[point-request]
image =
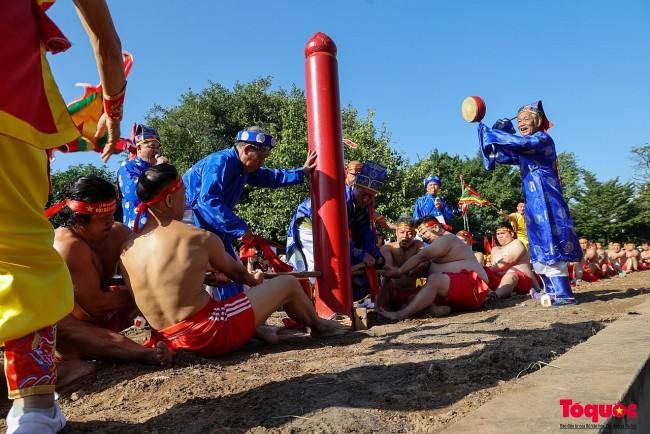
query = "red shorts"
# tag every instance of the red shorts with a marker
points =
(213, 331)
(401, 298)
(643, 266)
(524, 284)
(466, 291)
(29, 363)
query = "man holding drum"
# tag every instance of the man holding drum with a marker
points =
(553, 242)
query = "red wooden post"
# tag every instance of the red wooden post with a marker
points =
(330, 222)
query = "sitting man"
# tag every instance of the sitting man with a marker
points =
(616, 257)
(603, 261)
(518, 221)
(632, 257)
(363, 247)
(431, 203)
(170, 294)
(395, 293)
(645, 256)
(467, 238)
(89, 242)
(351, 171)
(147, 145)
(510, 269)
(455, 276)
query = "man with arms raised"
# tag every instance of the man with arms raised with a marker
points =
(510, 268)
(395, 293)
(455, 276)
(164, 266)
(89, 242)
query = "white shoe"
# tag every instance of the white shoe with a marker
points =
(35, 422)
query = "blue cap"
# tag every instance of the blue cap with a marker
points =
(432, 178)
(145, 134)
(256, 138)
(371, 176)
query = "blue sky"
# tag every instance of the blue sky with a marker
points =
(412, 61)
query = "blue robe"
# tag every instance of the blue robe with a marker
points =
(550, 228)
(127, 179)
(213, 188)
(363, 239)
(425, 205)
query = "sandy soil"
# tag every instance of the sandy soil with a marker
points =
(419, 375)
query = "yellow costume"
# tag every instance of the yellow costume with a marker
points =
(519, 225)
(35, 285)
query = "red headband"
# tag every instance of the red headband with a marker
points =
(107, 207)
(142, 206)
(432, 223)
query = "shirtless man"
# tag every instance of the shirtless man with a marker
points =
(510, 269)
(395, 293)
(632, 257)
(455, 276)
(170, 293)
(468, 239)
(89, 242)
(616, 255)
(603, 261)
(645, 256)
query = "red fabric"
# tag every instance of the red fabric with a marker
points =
(248, 250)
(213, 331)
(29, 363)
(643, 266)
(373, 281)
(587, 276)
(401, 298)
(486, 246)
(524, 284)
(466, 291)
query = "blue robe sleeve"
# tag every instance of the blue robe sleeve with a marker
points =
(492, 152)
(274, 178)
(418, 211)
(213, 208)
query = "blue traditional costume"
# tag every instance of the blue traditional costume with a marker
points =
(300, 248)
(215, 184)
(553, 242)
(426, 205)
(128, 174)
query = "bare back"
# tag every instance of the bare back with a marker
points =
(448, 254)
(165, 268)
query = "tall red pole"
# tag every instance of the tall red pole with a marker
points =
(329, 216)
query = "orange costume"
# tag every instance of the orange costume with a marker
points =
(219, 327)
(466, 290)
(35, 285)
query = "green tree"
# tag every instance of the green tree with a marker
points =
(63, 180)
(606, 210)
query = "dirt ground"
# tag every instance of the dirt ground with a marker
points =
(420, 375)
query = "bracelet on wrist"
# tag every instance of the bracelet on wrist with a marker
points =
(114, 105)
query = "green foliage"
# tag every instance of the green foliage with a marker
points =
(63, 180)
(207, 121)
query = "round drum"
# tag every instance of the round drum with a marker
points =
(473, 109)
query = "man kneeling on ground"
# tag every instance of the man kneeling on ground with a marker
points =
(455, 276)
(510, 269)
(164, 265)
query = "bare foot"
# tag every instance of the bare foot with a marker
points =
(268, 334)
(69, 371)
(438, 311)
(161, 355)
(328, 327)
